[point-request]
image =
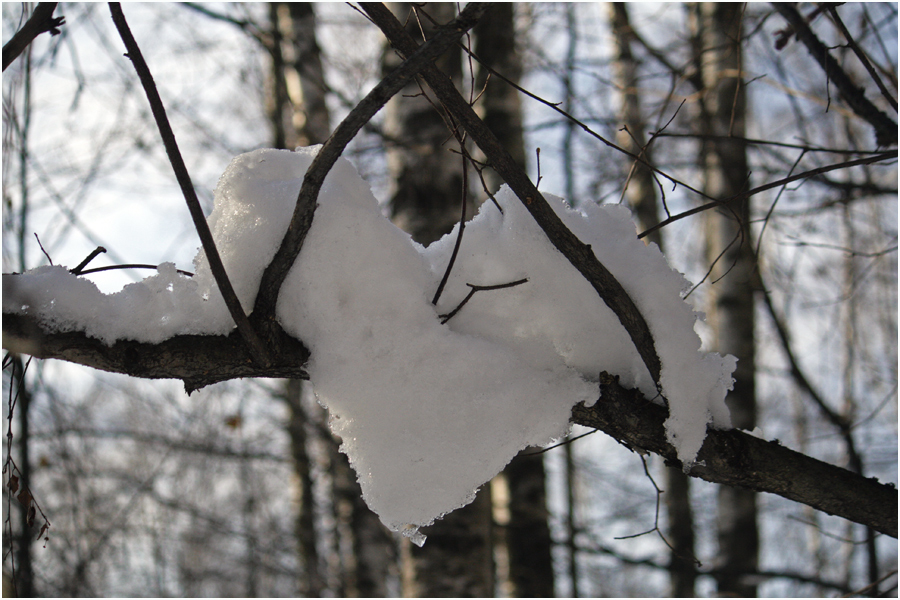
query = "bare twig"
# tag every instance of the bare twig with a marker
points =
(42, 248)
(41, 20)
(257, 349)
(462, 219)
(478, 288)
(770, 185)
(131, 266)
(94, 253)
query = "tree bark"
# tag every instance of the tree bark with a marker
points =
(733, 277)
(642, 197)
(527, 534)
(457, 559)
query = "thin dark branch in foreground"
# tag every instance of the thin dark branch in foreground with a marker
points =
(805, 175)
(580, 255)
(94, 253)
(257, 349)
(41, 20)
(275, 273)
(462, 220)
(131, 266)
(478, 288)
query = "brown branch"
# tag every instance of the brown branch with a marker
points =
(885, 127)
(727, 457)
(739, 459)
(580, 255)
(275, 273)
(197, 360)
(257, 350)
(41, 20)
(478, 288)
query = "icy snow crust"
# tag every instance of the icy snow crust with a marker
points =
(427, 412)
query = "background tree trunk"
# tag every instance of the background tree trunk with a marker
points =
(642, 197)
(733, 277)
(457, 559)
(527, 534)
(300, 117)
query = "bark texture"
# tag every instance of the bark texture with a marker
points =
(641, 195)
(733, 277)
(527, 534)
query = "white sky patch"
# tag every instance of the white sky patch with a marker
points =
(427, 412)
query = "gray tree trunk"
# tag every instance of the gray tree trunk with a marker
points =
(642, 197)
(300, 117)
(732, 291)
(457, 558)
(527, 534)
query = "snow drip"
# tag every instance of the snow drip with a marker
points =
(427, 412)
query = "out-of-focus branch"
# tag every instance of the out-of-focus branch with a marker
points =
(257, 349)
(773, 184)
(862, 56)
(41, 20)
(885, 127)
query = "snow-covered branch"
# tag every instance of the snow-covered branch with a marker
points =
(729, 457)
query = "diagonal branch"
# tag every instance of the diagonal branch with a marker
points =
(580, 255)
(855, 97)
(276, 272)
(257, 350)
(41, 20)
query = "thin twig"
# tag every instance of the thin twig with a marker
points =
(131, 266)
(768, 186)
(94, 253)
(42, 247)
(478, 288)
(462, 220)
(257, 349)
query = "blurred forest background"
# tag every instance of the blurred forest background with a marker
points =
(239, 489)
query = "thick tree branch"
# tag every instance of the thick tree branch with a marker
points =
(855, 97)
(197, 360)
(579, 254)
(41, 20)
(738, 459)
(728, 457)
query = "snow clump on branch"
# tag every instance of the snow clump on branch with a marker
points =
(427, 412)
